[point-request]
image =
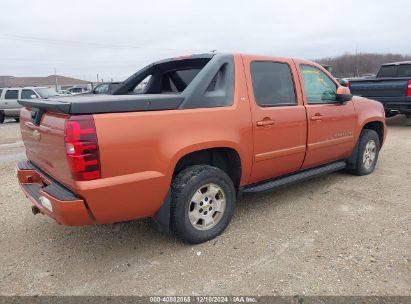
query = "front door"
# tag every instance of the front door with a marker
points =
(278, 117)
(330, 124)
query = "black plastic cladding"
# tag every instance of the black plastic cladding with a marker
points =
(195, 95)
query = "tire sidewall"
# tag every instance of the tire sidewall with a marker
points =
(183, 224)
(366, 136)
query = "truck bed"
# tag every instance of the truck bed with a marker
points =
(380, 87)
(392, 92)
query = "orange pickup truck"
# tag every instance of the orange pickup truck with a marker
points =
(180, 140)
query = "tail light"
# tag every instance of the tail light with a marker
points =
(347, 84)
(409, 88)
(82, 148)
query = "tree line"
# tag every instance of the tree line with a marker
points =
(362, 64)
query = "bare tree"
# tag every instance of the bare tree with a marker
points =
(353, 65)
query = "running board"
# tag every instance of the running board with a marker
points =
(295, 178)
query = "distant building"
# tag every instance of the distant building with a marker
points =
(53, 81)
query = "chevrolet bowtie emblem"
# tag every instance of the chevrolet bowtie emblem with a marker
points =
(36, 135)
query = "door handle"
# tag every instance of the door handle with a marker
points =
(317, 117)
(267, 121)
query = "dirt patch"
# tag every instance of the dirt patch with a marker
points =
(334, 235)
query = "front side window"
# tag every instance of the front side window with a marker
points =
(12, 94)
(319, 88)
(26, 94)
(272, 84)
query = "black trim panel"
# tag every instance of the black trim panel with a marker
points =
(107, 104)
(295, 178)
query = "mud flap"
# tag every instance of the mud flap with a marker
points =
(352, 161)
(161, 220)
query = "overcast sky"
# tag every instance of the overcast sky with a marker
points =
(116, 38)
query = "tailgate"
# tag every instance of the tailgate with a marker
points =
(45, 146)
(379, 87)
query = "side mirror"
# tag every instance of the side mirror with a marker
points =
(33, 96)
(343, 94)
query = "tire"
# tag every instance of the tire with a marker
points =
(195, 191)
(368, 150)
(1, 117)
(17, 119)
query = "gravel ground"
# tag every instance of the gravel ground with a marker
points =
(334, 235)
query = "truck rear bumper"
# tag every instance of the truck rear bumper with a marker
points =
(51, 198)
(398, 104)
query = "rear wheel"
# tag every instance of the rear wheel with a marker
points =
(368, 150)
(1, 117)
(17, 119)
(203, 199)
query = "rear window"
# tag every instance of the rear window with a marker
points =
(404, 70)
(387, 71)
(12, 94)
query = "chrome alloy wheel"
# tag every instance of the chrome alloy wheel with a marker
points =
(370, 152)
(207, 207)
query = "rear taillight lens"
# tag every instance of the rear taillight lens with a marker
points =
(409, 88)
(347, 84)
(82, 148)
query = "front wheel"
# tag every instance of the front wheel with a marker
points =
(203, 200)
(1, 117)
(368, 150)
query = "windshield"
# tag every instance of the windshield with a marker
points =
(46, 92)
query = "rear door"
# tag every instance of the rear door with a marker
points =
(330, 124)
(278, 117)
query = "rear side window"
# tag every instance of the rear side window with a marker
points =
(26, 94)
(142, 85)
(272, 84)
(387, 71)
(404, 71)
(12, 94)
(187, 75)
